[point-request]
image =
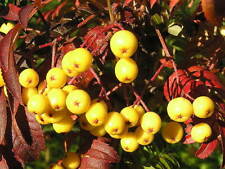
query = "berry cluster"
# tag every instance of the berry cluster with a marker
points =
(181, 110)
(5, 28)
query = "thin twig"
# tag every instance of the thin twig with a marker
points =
(112, 19)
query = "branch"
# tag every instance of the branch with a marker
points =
(112, 19)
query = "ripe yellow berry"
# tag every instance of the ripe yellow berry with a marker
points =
(5, 28)
(63, 126)
(143, 138)
(38, 104)
(71, 160)
(201, 132)
(119, 136)
(130, 115)
(57, 99)
(56, 78)
(172, 132)
(69, 88)
(115, 123)
(129, 142)
(78, 101)
(80, 59)
(180, 109)
(54, 116)
(97, 113)
(126, 70)
(98, 131)
(41, 120)
(84, 124)
(123, 44)
(139, 109)
(68, 67)
(28, 78)
(2, 82)
(203, 107)
(56, 166)
(151, 122)
(27, 93)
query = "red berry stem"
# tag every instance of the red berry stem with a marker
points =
(114, 89)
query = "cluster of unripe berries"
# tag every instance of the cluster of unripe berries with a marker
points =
(123, 45)
(181, 110)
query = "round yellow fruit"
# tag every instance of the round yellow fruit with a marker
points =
(56, 78)
(98, 131)
(28, 78)
(201, 132)
(172, 132)
(2, 82)
(63, 126)
(38, 104)
(69, 88)
(119, 136)
(78, 101)
(126, 70)
(71, 160)
(115, 123)
(5, 28)
(84, 124)
(80, 59)
(130, 115)
(139, 109)
(123, 44)
(97, 113)
(41, 120)
(151, 122)
(54, 116)
(68, 66)
(143, 138)
(203, 107)
(129, 142)
(179, 109)
(56, 166)
(57, 99)
(27, 93)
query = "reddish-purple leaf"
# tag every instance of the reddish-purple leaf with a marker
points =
(206, 149)
(13, 13)
(127, 2)
(173, 3)
(93, 163)
(3, 116)
(26, 13)
(152, 2)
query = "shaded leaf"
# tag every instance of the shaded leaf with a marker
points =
(26, 13)
(3, 163)
(3, 116)
(173, 3)
(152, 2)
(13, 13)
(206, 149)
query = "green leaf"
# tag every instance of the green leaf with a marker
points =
(164, 162)
(175, 30)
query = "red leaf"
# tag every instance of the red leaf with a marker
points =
(208, 7)
(222, 140)
(92, 163)
(152, 2)
(188, 139)
(3, 163)
(26, 13)
(13, 13)
(206, 149)
(166, 62)
(127, 2)
(173, 3)
(3, 116)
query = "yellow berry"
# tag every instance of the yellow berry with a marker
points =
(78, 101)
(126, 70)
(68, 66)
(203, 107)
(54, 116)
(119, 136)
(180, 109)
(56, 166)
(2, 82)
(143, 138)
(129, 142)
(201, 132)
(115, 123)
(41, 120)
(5, 28)
(172, 132)
(123, 44)
(130, 115)
(139, 109)
(151, 122)
(97, 113)
(98, 131)
(57, 99)
(84, 124)
(63, 126)
(71, 160)
(69, 88)
(38, 104)
(56, 78)
(27, 93)
(28, 78)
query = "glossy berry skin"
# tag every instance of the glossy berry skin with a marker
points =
(119, 136)
(56, 78)
(63, 126)
(38, 104)
(203, 107)
(68, 67)
(2, 82)
(126, 70)
(28, 78)
(57, 99)
(5, 28)
(27, 93)
(115, 123)
(143, 138)
(56, 166)
(151, 122)
(129, 142)
(55, 116)
(179, 109)
(69, 88)
(71, 160)
(201, 132)
(123, 44)
(139, 109)
(97, 113)
(98, 131)
(41, 120)
(78, 101)
(172, 132)
(80, 58)
(84, 124)
(130, 115)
